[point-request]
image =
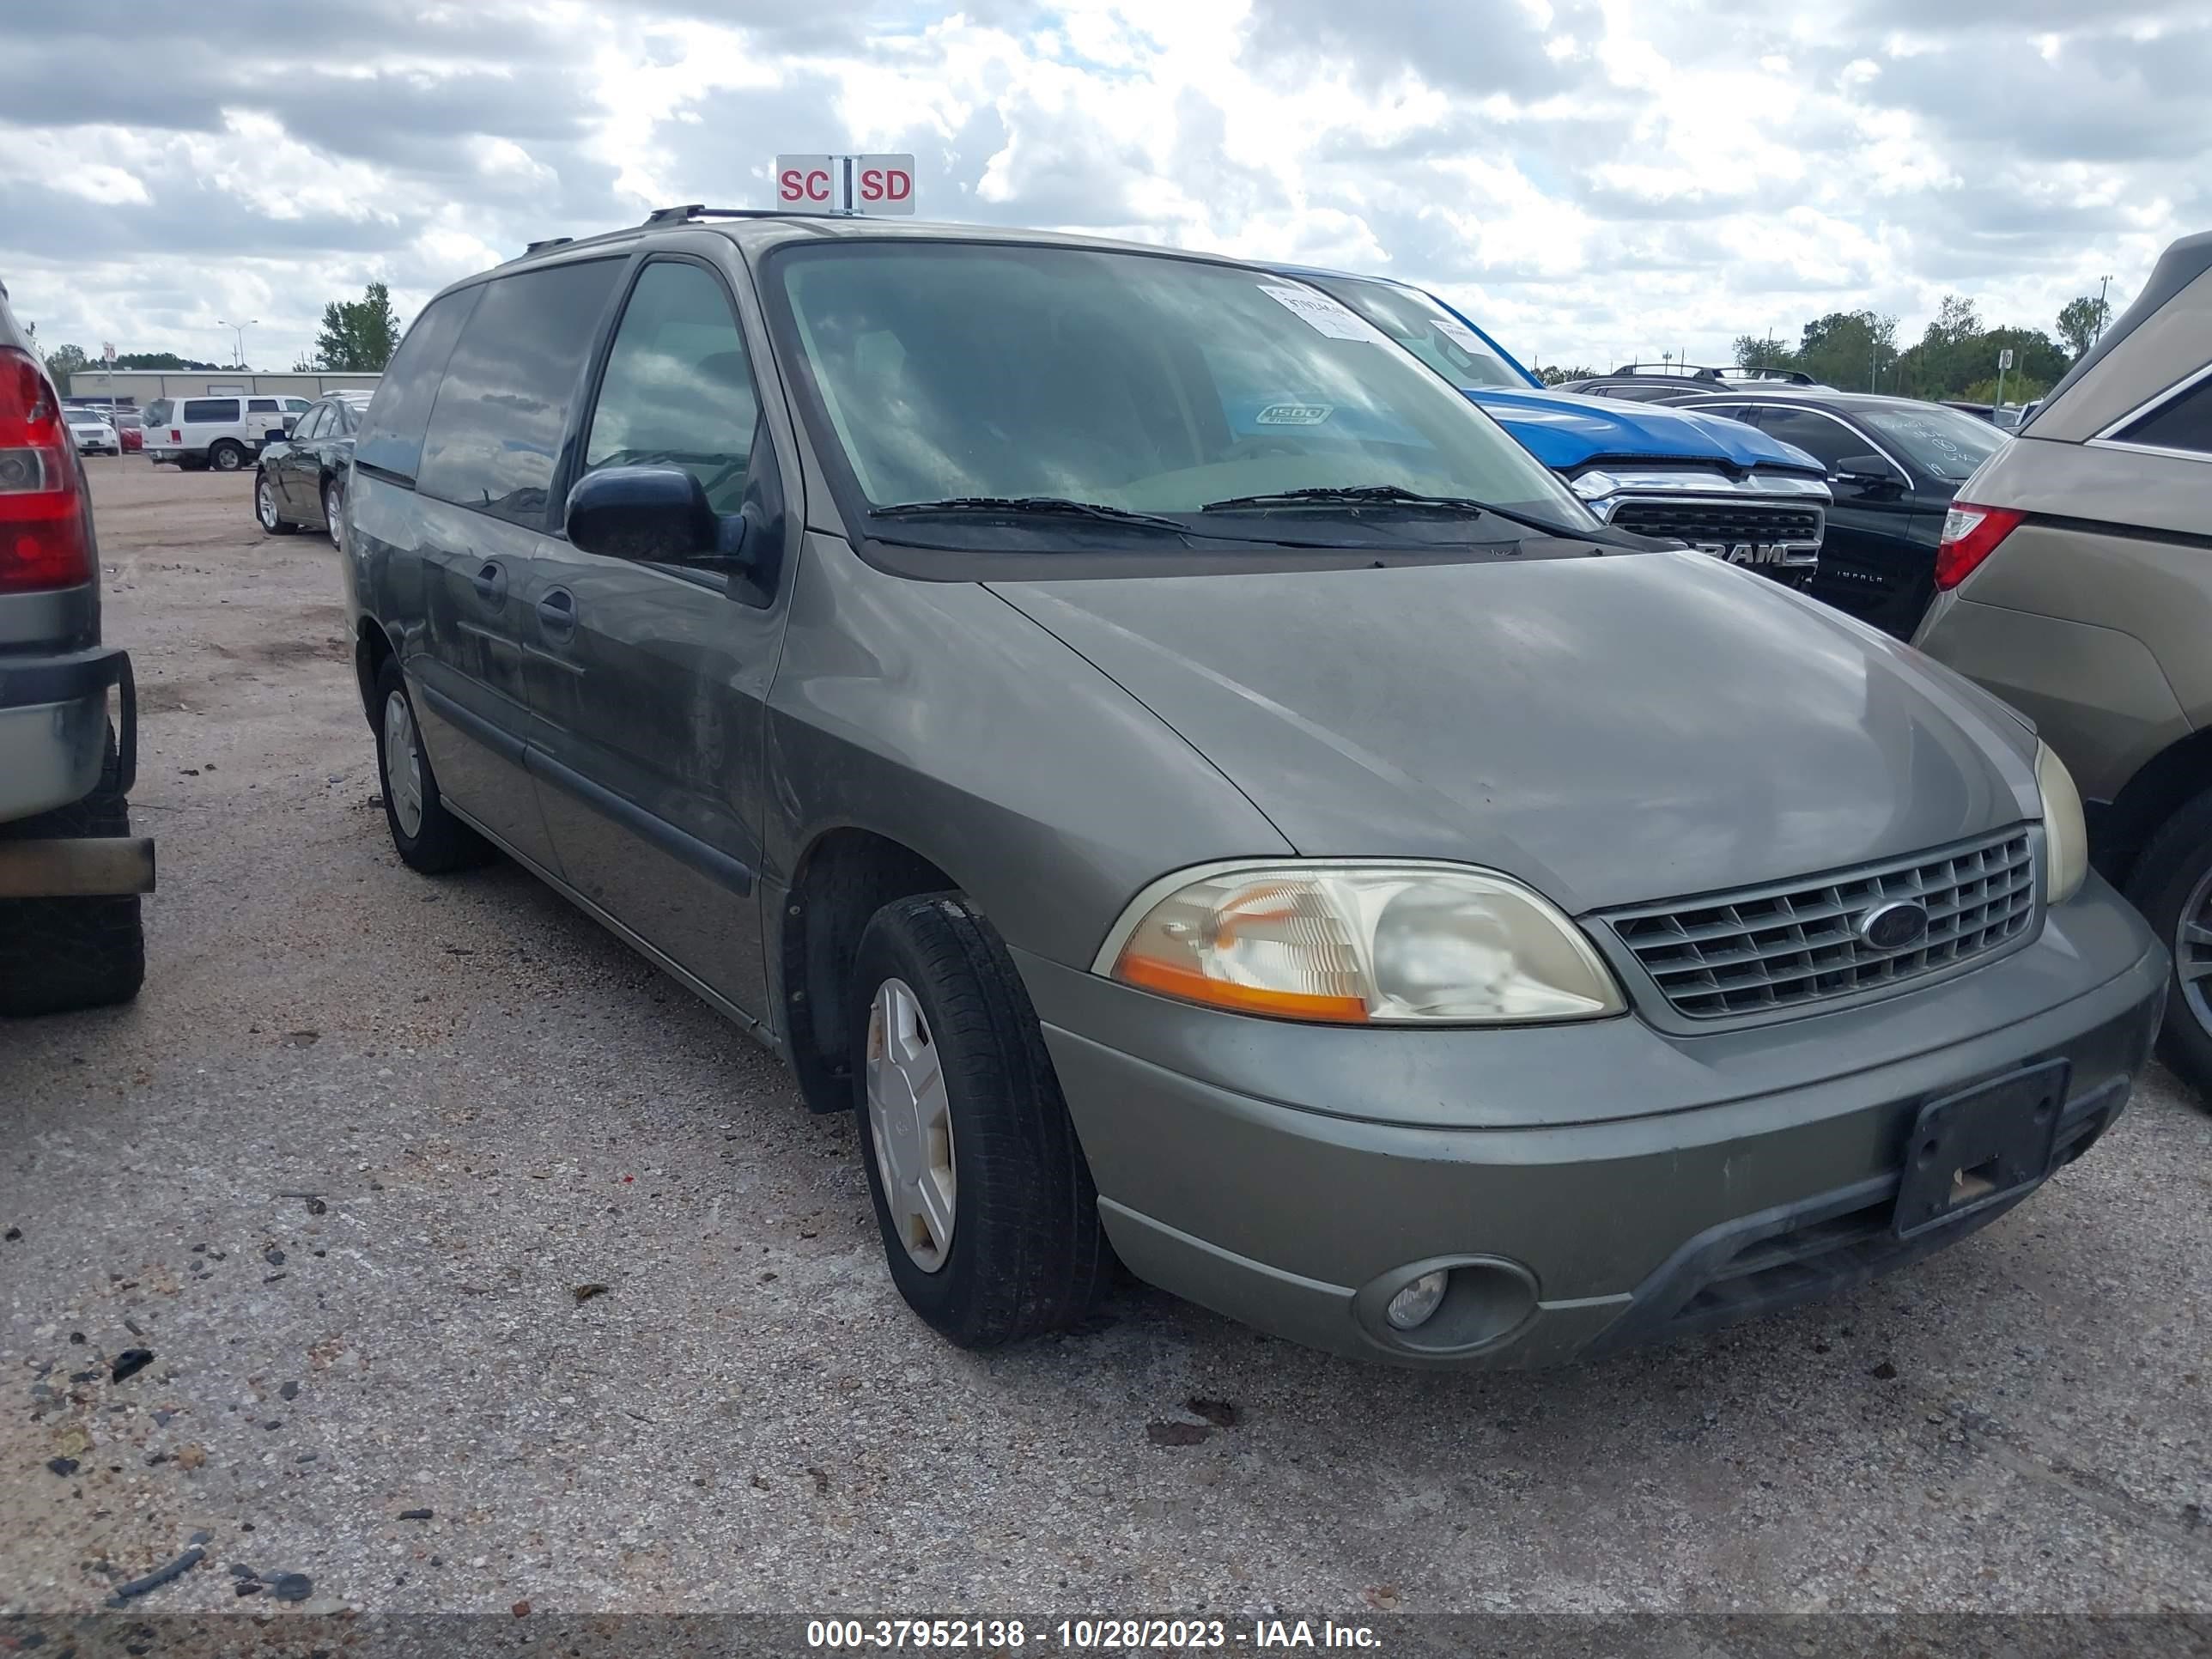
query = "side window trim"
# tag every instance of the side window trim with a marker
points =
(2111, 437)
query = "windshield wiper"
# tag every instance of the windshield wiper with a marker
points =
(1394, 495)
(1027, 507)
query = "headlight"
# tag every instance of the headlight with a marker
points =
(2065, 836)
(1360, 943)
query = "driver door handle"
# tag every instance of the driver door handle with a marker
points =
(490, 583)
(556, 613)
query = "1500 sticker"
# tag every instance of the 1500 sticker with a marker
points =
(1294, 414)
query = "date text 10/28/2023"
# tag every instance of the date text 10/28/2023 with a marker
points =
(1011, 1636)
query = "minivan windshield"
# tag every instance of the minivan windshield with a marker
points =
(1428, 331)
(956, 373)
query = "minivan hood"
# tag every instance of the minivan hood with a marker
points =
(1611, 729)
(1565, 430)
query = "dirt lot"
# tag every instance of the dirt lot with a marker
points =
(495, 1105)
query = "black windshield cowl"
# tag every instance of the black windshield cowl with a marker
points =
(1024, 506)
(1396, 498)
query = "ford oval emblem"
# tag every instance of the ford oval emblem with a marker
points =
(1898, 926)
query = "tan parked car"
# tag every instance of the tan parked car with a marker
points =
(2076, 579)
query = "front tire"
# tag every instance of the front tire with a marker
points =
(265, 508)
(985, 1203)
(57, 954)
(427, 836)
(2171, 885)
(225, 456)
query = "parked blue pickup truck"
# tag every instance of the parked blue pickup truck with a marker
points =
(1715, 483)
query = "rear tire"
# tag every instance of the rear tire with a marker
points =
(1025, 1253)
(225, 456)
(427, 837)
(2171, 885)
(333, 508)
(62, 953)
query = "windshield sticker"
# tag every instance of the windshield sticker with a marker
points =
(1294, 414)
(1322, 313)
(1464, 337)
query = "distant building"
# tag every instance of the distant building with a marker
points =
(134, 388)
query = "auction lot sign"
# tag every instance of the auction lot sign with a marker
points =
(867, 185)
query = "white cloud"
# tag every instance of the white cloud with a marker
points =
(1587, 176)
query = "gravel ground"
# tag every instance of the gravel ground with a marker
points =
(399, 1388)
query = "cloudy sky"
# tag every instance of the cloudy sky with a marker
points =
(1591, 179)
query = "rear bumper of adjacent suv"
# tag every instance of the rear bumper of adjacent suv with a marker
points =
(54, 714)
(1590, 1186)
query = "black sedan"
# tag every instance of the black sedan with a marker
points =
(1894, 465)
(301, 478)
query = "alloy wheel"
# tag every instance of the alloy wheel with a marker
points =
(910, 1123)
(2192, 951)
(264, 503)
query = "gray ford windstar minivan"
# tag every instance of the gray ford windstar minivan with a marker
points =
(1302, 855)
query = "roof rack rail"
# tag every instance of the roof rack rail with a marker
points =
(1670, 369)
(540, 245)
(1762, 372)
(677, 216)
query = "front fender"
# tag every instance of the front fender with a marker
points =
(939, 716)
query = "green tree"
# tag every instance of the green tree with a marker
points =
(64, 360)
(1846, 348)
(2081, 321)
(358, 336)
(1555, 374)
(1752, 352)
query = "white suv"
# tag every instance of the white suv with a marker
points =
(223, 433)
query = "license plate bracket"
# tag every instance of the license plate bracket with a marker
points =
(1979, 1146)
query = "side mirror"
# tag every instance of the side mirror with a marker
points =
(659, 515)
(274, 435)
(1867, 471)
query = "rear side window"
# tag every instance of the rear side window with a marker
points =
(2183, 422)
(495, 437)
(198, 410)
(313, 424)
(392, 435)
(261, 406)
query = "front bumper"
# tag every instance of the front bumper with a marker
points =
(1264, 1178)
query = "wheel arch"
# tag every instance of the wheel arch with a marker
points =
(2161, 787)
(372, 646)
(845, 875)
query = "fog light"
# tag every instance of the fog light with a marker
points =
(1411, 1307)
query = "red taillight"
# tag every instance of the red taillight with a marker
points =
(43, 539)
(1971, 534)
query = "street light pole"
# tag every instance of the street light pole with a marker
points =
(2102, 282)
(238, 328)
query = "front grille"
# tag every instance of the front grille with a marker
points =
(1785, 945)
(1719, 521)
